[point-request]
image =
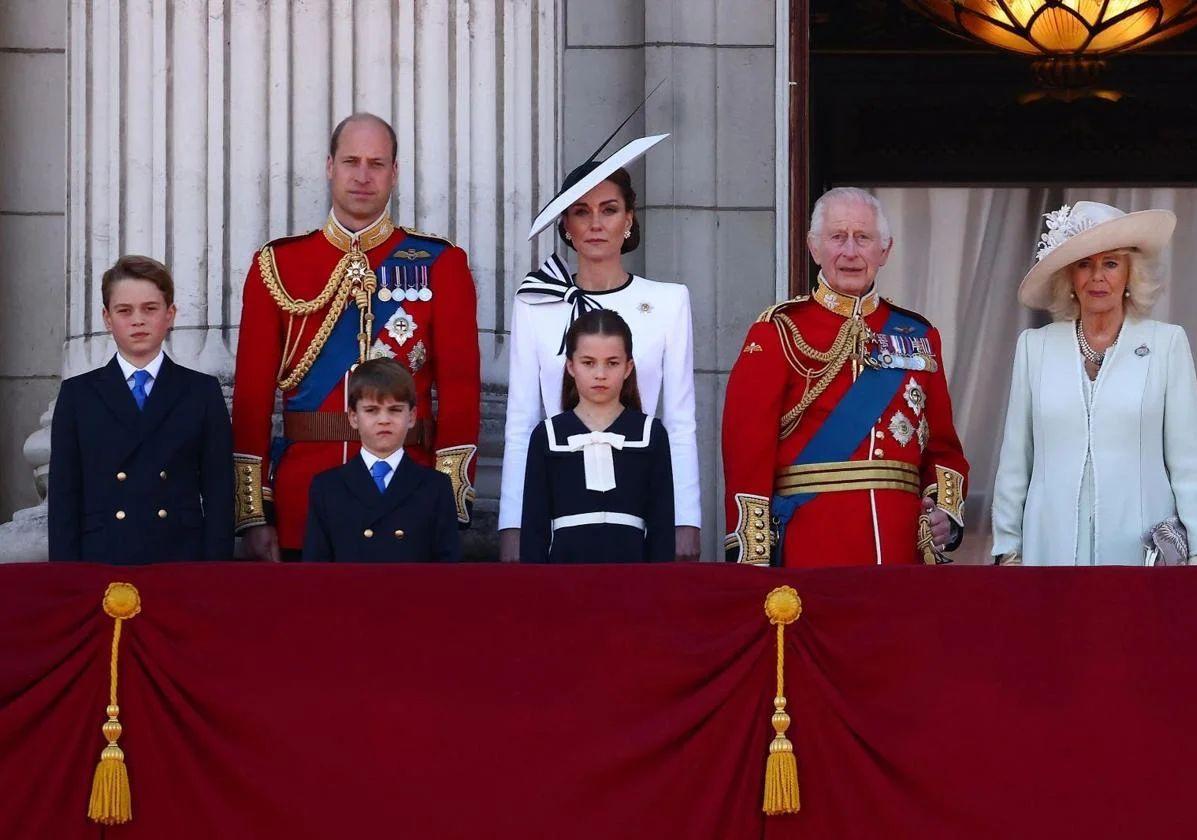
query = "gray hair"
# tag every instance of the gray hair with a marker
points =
(819, 214)
(1143, 283)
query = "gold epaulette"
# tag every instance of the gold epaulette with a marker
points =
(433, 236)
(768, 314)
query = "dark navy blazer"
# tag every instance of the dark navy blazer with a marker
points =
(350, 521)
(141, 486)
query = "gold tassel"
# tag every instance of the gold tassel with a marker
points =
(782, 606)
(925, 542)
(111, 802)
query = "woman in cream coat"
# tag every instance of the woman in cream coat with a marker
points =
(1099, 445)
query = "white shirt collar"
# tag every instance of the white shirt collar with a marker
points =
(332, 214)
(152, 368)
(393, 459)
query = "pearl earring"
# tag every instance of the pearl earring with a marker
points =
(627, 234)
(569, 237)
(1070, 294)
(1126, 293)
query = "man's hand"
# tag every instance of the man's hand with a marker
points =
(688, 543)
(261, 543)
(509, 545)
(941, 525)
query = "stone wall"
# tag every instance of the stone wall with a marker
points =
(32, 230)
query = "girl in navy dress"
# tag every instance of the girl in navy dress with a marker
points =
(599, 482)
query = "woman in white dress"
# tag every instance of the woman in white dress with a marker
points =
(596, 217)
(1099, 459)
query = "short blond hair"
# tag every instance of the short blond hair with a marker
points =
(1143, 283)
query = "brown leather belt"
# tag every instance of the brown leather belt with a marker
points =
(333, 426)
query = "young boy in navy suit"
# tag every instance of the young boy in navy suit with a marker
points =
(381, 506)
(141, 451)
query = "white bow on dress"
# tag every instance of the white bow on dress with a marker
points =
(596, 457)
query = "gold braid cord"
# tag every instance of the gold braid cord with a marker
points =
(925, 543)
(851, 342)
(288, 304)
(352, 276)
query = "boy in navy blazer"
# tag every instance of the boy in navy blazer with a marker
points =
(141, 453)
(380, 506)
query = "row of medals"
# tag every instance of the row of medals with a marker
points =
(410, 294)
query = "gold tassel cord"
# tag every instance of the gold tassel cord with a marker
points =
(111, 801)
(782, 606)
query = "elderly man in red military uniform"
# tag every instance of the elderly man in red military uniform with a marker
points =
(315, 306)
(838, 442)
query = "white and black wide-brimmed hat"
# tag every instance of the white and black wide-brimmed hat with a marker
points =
(1087, 228)
(593, 172)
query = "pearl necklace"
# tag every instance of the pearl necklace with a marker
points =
(1087, 351)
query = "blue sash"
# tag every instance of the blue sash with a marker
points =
(340, 352)
(850, 422)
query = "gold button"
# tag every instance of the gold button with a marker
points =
(248, 471)
(249, 509)
(368, 533)
(758, 512)
(760, 549)
(878, 452)
(120, 514)
(759, 523)
(162, 474)
(120, 476)
(162, 513)
(880, 435)
(399, 534)
(760, 537)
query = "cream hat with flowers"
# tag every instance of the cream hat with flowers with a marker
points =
(1087, 228)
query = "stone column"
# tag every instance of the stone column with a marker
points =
(198, 130)
(32, 220)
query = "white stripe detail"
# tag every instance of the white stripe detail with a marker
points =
(627, 444)
(599, 517)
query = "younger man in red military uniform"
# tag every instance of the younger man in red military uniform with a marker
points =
(318, 304)
(838, 442)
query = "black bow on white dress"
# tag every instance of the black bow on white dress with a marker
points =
(551, 283)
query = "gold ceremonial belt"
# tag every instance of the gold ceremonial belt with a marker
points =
(838, 476)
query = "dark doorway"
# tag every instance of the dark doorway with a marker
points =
(885, 97)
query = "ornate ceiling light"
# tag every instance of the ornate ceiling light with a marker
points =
(1069, 36)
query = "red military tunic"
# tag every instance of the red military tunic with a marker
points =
(286, 343)
(910, 449)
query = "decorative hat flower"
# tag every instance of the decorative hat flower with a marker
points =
(1062, 224)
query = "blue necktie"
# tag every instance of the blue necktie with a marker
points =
(379, 471)
(140, 378)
